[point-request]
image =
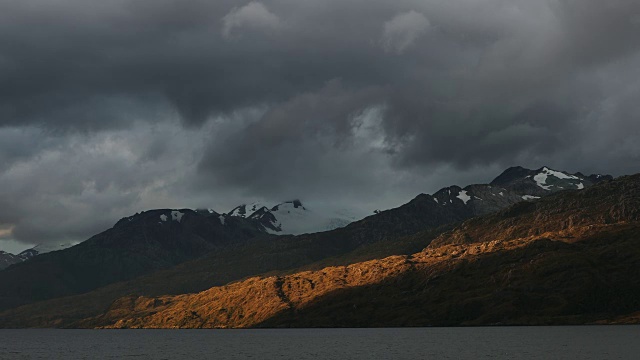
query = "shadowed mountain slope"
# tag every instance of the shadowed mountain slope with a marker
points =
(136, 245)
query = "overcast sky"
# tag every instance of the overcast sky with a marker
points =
(108, 108)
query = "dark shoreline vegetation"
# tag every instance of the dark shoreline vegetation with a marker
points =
(474, 256)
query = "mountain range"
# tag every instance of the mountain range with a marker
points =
(152, 255)
(7, 259)
(570, 258)
(286, 218)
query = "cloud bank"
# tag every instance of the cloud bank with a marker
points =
(108, 108)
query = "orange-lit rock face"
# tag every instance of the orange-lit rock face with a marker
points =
(531, 281)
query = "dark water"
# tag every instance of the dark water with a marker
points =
(586, 342)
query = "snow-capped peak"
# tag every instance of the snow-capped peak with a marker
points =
(292, 217)
(176, 215)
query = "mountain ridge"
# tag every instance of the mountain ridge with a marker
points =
(265, 253)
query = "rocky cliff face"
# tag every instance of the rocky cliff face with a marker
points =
(571, 258)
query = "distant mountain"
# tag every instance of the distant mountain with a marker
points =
(512, 186)
(568, 258)
(44, 248)
(7, 259)
(292, 218)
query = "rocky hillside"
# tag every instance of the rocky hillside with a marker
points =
(569, 258)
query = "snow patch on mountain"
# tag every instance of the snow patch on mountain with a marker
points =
(541, 178)
(464, 196)
(176, 215)
(530, 197)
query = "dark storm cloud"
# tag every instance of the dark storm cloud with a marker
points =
(60, 59)
(110, 107)
(275, 153)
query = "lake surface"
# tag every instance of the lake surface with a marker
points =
(579, 342)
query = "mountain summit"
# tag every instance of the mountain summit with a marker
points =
(512, 186)
(292, 217)
(544, 180)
